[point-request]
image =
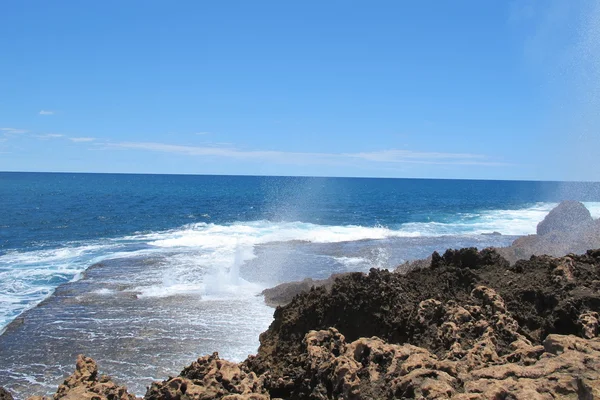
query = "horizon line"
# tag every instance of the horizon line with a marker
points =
(295, 176)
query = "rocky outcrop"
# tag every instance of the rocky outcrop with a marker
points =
(478, 327)
(568, 228)
(469, 326)
(369, 368)
(86, 383)
(210, 378)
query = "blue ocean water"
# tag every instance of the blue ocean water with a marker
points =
(46, 210)
(54, 225)
(117, 256)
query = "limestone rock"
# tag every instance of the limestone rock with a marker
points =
(210, 378)
(86, 384)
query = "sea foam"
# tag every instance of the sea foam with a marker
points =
(204, 258)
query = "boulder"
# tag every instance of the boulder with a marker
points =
(567, 217)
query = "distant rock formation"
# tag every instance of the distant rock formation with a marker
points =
(470, 326)
(568, 217)
(568, 228)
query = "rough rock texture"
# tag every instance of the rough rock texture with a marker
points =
(210, 378)
(566, 217)
(469, 326)
(85, 383)
(470, 311)
(5, 394)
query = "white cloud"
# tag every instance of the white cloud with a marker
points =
(9, 131)
(82, 139)
(202, 133)
(389, 156)
(50, 136)
(393, 155)
(46, 112)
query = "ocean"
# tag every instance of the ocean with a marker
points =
(147, 272)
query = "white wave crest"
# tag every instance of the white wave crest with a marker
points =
(204, 259)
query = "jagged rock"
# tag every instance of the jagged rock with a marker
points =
(590, 324)
(329, 368)
(468, 258)
(473, 311)
(210, 378)
(567, 217)
(85, 383)
(5, 394)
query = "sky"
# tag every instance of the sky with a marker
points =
(464, 89)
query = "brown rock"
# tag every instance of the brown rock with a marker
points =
(85, 383)
(590, 324)
(210, 378)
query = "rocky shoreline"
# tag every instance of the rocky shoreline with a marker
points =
(568, 228)
(466, 324)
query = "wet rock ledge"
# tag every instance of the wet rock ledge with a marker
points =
(468, 326)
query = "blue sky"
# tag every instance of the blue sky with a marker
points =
(435, 89)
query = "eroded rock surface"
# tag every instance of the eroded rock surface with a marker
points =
(282, 294)
(86, 384)
(478, 327)
(210, 378)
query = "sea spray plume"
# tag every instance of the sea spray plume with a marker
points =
(587, 70)
(291, 199)
(582, 97)
(562, 51)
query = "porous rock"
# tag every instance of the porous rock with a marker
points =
(210, 378)
(86, 384)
